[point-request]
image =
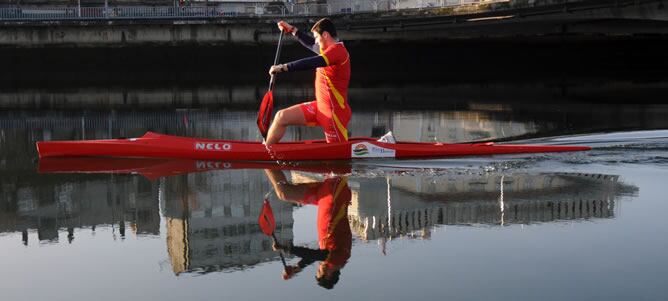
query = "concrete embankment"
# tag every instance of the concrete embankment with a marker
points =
(520, 18)
(545, 59)
(481, 97)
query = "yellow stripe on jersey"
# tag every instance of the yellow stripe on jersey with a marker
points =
(346, 60)
(322, 54)
(340, 126)
(342, 211)
(337, 94)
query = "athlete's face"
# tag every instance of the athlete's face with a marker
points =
(321, 39)
(318, 39)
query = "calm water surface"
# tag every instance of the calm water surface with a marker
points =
(574, 226)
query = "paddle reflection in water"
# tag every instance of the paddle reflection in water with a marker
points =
(332, 196)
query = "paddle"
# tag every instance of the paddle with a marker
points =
(268, 225)
(267, 104)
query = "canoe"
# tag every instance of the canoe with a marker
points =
(154, 145)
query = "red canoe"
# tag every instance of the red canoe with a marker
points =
(153, 145)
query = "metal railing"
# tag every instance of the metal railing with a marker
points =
(220, 11)
(120, 12)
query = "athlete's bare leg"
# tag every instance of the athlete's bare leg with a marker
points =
(290, 116)
(285, 190)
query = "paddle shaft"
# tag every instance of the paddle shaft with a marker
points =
(278, 54)
(275, 240)
(280, 253)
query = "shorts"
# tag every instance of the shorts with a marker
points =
(333, 123)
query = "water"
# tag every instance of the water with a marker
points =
(580, 226)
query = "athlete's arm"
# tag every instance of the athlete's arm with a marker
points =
(306, 40)
(303, 38)
(308, 63)
(308, 255)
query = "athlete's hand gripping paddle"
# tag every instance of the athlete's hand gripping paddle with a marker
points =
(267, 105)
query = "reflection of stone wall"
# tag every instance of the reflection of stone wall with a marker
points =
(417, 223)
(72, 203)
(455, 126)
(177, 244)
(517, 185)
(212, 220)
(419, 203)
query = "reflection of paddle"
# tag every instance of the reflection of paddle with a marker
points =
(268, 225)
(267, 105)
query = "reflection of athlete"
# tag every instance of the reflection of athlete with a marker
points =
(334, 237)
(330, 109)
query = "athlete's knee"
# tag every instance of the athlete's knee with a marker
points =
(281, 195)
(280, 117)
(287, 117)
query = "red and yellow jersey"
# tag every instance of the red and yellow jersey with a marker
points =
(331, 110)
(332, 198)
(331, 87)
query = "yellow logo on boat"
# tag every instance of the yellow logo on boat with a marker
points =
(360, 150)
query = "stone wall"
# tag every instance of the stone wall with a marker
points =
(599, 18)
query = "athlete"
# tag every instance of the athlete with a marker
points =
(332, 196)
(330, 109)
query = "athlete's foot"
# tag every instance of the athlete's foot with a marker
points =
(268, 147)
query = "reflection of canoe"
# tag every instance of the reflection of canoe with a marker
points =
(156, 168)
(153, 145)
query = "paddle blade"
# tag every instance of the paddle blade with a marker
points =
(264, 116)
(266, 220)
